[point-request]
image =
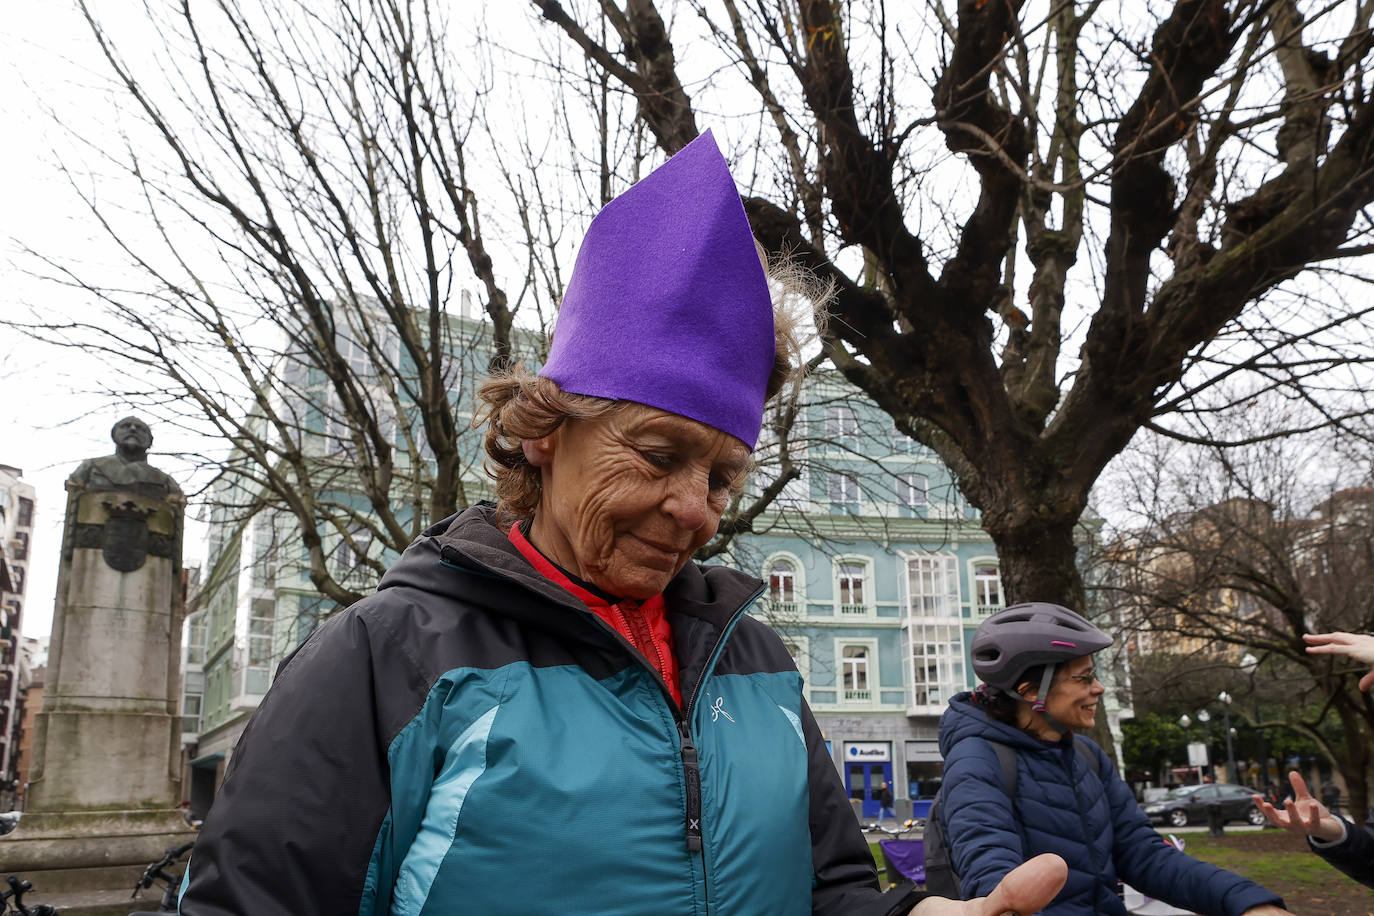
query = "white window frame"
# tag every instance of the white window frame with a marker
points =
(862, 608)
(798, 602)
(942, 568)
(982, 608)
(848, 486)
(941, 647)
(857, 698)
(908, 489)
(841, 426)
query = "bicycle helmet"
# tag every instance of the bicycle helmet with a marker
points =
(1025, 635)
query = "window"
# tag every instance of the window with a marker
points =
(932, 586)
(902, 444)
(348, 558)
(849, 586)
(264, 550)
(936, 654)
(841, 426)
(197, 632)
(854, 668)
(21, 546)
(25, 519)
(263, 613)
(913, 492)
(844, 494)
(987, 587)
(192, 695)
(782, 586)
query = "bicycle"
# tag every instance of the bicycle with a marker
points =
(171, 883)
(910, 825)
(13, 900)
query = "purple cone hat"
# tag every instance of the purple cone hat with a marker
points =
(668, 304)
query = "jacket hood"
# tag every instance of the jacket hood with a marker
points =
(966, 718)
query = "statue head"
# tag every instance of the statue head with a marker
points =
(132, 439)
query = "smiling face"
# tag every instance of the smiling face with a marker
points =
(1073, 699)
(627, 499)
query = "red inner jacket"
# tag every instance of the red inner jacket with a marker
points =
(645, 624)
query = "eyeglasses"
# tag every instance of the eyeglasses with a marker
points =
(1087, 678)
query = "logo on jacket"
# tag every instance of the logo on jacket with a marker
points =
(718, 710)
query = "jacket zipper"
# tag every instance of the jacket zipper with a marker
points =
(690, 767)
(690, 764)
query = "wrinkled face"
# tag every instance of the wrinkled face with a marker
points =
(629, 497)
(1074, 694)
(132, 434)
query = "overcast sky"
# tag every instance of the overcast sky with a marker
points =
(45, 427)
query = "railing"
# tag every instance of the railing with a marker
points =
(783, 608)
(853, 610)
(858, 696)
(985, 609)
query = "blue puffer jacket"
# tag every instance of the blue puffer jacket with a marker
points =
(473, 740)
(1061, 806)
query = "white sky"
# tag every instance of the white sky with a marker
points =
(42, 428)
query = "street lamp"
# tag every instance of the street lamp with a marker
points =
(1230, 752)
(1249, 664)
(1184, 721)
(1204, 718)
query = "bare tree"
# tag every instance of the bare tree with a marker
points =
(1248, 549)
(1177, 189)
(315, 275)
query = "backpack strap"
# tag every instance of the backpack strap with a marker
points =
(1006, 756)
(1088, 757)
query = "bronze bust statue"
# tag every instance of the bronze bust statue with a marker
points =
(128, 467)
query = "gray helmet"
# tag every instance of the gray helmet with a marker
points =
(1025, 635)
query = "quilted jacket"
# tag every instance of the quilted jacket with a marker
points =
(1090, 819)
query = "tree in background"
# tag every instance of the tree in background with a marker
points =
(1172, 189)
(1241, 552)
(331, 233)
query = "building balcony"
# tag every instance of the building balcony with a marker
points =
(853, 610)
(858, 696)
(782, 608)
(984, 610)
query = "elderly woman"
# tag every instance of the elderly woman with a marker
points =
(546, 707)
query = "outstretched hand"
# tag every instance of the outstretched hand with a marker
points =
(1026, 889)
(1302, 814)
(1353, 645)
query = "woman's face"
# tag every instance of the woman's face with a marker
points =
(1074, 694)
(629, 497)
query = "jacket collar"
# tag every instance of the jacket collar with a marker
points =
(475, 541)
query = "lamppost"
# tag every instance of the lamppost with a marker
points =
(1204, 718)
(1249, 664)
(1230, 752)
(1184, 721)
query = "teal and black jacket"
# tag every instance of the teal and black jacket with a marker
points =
(471, 739)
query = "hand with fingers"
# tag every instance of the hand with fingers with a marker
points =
(1352, 645)
(1302, 814)
(1026, 889)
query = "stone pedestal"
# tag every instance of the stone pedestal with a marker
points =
(103, 787)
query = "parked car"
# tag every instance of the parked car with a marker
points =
(1188, 804)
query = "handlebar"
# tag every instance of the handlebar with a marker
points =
(154, 872)
(17, 891)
